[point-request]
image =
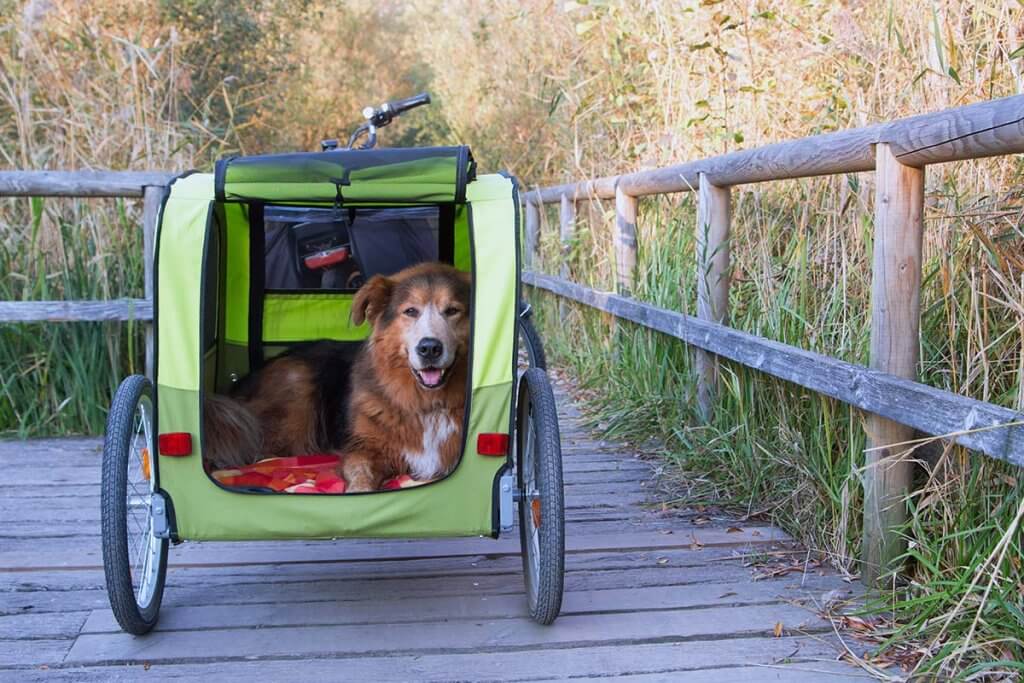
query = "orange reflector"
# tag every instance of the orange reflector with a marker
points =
(492, 444)
(145, 463)
(175, 444)
(535, 509)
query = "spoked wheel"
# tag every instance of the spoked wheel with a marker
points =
(541, 502)
(531, 350)
(134, 558)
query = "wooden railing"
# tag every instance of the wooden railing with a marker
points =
(149, 186)
(896, 405)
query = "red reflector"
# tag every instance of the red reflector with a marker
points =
(492, 444)
(175, 443)
(327, 258)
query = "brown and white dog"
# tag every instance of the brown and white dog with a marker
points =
(395, 406)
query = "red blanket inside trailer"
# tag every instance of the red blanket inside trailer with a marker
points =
(316, 473)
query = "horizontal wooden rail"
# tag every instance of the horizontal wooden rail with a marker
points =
(969, 132)
(80, 183)
(996, 431)
(75, 311)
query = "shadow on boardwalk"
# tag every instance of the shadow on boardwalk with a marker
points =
(648, 597)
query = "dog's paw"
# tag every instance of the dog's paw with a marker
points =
(359, 487)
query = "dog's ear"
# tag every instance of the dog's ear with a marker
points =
(371, 299)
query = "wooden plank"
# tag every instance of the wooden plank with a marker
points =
(55, 625)
(671, 625)
(974, 131)
(714, 216)
(153, 199)
(273, 552)
(625, 240)
(75, 311)
(991, 429)
(494, 664)
(382, 610)
(224, 571)
(688, 572)
(599, 188)
(532, 233)
(224, 586)
(31, 652)
(283, 562)
(984, 129)
(80, 183)
(895, 343)
(784, 669)
(567, 226)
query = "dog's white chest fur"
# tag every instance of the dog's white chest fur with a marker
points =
(437, 428)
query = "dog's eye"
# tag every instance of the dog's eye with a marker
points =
(411, 312)
(450, 311)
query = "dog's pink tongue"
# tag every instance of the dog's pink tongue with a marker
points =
(431, 376)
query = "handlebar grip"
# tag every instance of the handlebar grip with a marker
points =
(404, 105)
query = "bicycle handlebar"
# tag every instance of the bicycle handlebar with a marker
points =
(404, 105)
(378, 117)
(386, 113)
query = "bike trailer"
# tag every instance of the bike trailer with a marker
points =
(268, 251)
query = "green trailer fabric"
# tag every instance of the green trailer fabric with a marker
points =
(408, 175)
(301, 317)
(463, 504)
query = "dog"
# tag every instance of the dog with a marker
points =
(393, 406)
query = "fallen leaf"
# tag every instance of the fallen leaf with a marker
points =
(755, 532)
(778, 629)
(662, 560)
(701, 521)
(858, 624)
(145, 666)
(734, 530)
(666, 531)
(726, 595)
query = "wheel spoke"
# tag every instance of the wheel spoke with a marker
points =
(138, 525)
(143, 562)
(136, 491)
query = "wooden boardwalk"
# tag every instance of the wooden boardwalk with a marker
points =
(649, 596)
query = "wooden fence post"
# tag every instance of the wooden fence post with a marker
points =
(567, 224)
(625, 241)
(152, 198)
(532, 231)
(714, 215)
(895, 339)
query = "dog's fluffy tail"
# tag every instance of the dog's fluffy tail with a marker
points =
(232, 433)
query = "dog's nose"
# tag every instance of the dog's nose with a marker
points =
(430, 349)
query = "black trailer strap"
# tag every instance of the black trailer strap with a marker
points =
(257, 284)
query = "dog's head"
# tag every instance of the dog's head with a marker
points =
(420, 317)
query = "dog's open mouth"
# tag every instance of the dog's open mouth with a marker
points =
(431, 378)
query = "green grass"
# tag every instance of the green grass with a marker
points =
(59, 378)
